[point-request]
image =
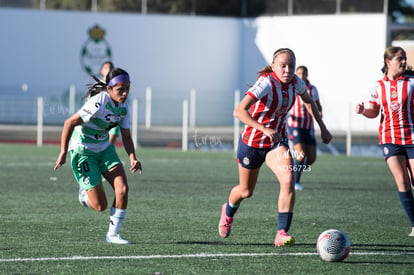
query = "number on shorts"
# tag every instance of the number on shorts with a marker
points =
(83, 167)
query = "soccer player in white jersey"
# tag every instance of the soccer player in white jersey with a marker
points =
(106, 67)
(393, 97)
(85, 136)
(263, 110)
(301, 129)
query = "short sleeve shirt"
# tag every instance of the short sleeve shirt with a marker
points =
(274, 99)
(99, 114)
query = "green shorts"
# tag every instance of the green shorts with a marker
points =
(88, 166)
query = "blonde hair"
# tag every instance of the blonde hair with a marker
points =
(268, 68)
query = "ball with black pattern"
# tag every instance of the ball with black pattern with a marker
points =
(333, 245)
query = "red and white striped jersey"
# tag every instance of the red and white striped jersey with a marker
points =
(273, 102)
(396, 99)
(299, 115)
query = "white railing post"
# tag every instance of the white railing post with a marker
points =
(134, 122)
(349, 133)
(236, 122)
(192, 108)
(144, 7)
(40, 107)
(94, 5)
(72, 99)
(185, 126)
(148, 99)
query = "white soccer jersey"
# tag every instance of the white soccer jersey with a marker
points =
(99, 115)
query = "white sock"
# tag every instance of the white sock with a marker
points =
(85, 196)
(116, 220)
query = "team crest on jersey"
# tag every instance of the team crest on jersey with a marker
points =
(285, 102)
(393, 94)
(395, 106)
(122, 111)
(246, 161)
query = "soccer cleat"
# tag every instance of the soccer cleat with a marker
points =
(298, 186)
(83, 197)
(283, 238)
(116, 239)
(412, 233)
(224, 226)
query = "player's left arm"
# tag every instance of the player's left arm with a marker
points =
(130, 149)
(318, 105)
(325, 134)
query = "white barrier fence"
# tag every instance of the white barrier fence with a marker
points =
(188, 118)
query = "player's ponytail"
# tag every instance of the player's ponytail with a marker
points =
(99, 85)
(95, 88)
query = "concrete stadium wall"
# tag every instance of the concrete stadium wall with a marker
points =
(173, 54)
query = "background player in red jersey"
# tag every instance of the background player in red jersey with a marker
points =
(263, 111)
(393, 96)
(301, 129)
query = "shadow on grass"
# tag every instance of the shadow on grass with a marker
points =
(233, 243)
(381, 247)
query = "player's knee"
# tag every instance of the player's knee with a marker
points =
(100, 206)
(246, 193)
(122, 191)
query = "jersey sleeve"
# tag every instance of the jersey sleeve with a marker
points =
(300, 87)
(90, 108)
(315, 94)
(260, 89)
(125, 122)
(373, 94)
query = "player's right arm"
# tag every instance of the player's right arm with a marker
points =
(242, 113)
(67, 131)
(371, 112)
(260, 89)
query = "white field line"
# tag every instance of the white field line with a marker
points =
(201, 255)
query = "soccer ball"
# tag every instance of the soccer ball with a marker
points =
(333, 245)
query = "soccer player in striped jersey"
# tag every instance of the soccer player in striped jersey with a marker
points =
(85, 137)
(263, 110)
(301, 129)
(393, 97)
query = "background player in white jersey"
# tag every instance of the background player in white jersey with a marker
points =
(301, 129)
(106, 67)
(85, 136)
(263, 111)
(393, 97)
